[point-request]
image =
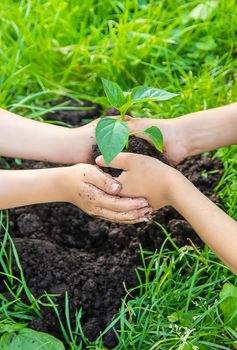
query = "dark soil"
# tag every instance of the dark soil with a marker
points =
(137, 146)
(61, 248)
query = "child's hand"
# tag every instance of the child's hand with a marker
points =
(96, 193)
(162, 185)
(174, 133)
(175, 147)
(143, 176)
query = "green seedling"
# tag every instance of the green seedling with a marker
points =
(112, 134)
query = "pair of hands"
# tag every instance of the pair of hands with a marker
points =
(128, 199)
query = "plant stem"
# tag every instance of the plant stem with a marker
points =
(127, 144)
(122, 113)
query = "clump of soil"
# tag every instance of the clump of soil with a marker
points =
(136, 145)
(61, 248)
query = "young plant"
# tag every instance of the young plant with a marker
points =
(112, 134)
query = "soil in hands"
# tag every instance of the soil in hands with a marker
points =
(136, 145)
(61, 248)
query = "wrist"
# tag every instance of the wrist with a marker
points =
(180, 192)
(176, 188)
(175, 139)
(79, 144)
(54, 184)
(63, 183)
(194, 133)
(174, 134)
(166, 180)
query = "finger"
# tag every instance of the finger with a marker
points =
(119, 162)
(127, 222)
(120, 204)
(101, 199)
(130, 216)
(103, 181)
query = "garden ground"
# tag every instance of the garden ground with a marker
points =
(52, 50)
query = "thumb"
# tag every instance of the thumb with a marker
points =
(103, 181)
(119, 162)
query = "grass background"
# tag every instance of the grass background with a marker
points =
(49, 49)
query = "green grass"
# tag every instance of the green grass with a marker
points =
(176, 305)
(17, 303)
(51, 49)
(227, 188)
(179, 307)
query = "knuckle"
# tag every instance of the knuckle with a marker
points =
(106, 182)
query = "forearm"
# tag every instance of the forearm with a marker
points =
(213, 226)
(25, 187)
(193, 133)
(210, 129)
(28, 139)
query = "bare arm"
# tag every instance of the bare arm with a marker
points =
(184, 136)
(162, 185)
(210, 129)
(29, 139)
(25, 187)
(214, 226)
(194, 133)
(83, 185)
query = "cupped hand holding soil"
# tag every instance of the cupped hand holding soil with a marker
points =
(144, 176)
(83, 185)
(163, 185)
(96, 193)
(175, 140)
(193, 133)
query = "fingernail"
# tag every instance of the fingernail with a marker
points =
(98, 159)
(144, 204)
(114, 187)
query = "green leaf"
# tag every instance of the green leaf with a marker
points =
(156, 137)
(143, 94)
(114, 93)
(229, 304)
(28, 339)
(111, 137)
